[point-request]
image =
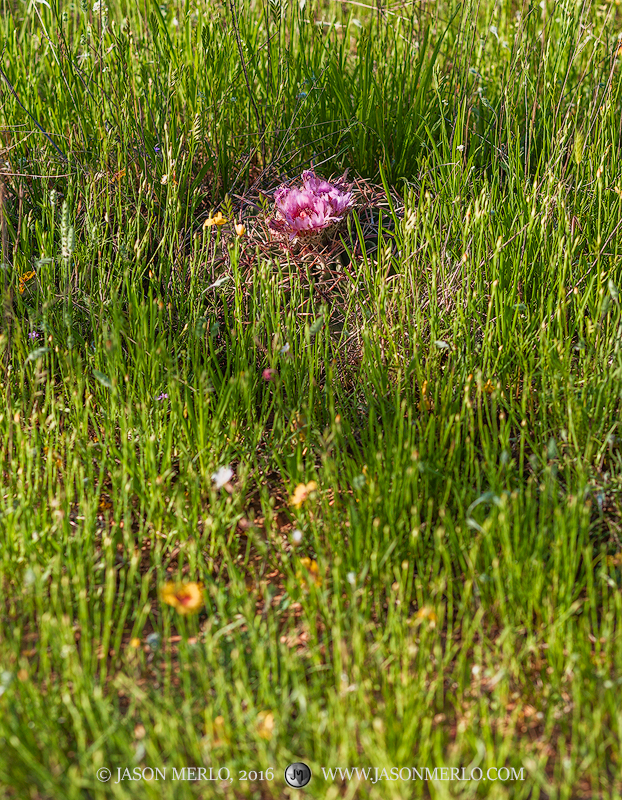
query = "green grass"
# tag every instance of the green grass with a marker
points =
(456, 397)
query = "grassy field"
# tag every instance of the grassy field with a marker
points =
(415, 561)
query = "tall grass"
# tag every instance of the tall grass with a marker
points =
(455, 396)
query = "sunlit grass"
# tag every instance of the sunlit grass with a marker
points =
(357, 513)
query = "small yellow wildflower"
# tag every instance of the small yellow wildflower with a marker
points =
(135, 642)
(426, 613)
(104, 504)
(488, 387)
(186, 598)
(425, 399)
(265, 724)
(217, 219)
(240, 229)
(301, 493)
(313, 571)
(24, 278)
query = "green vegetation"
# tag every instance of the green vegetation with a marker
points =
(453, 596)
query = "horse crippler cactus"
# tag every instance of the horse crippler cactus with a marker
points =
(313, 214)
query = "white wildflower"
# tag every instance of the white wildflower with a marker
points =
(222, 477)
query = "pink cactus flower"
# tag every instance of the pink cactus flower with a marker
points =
(313, 210)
